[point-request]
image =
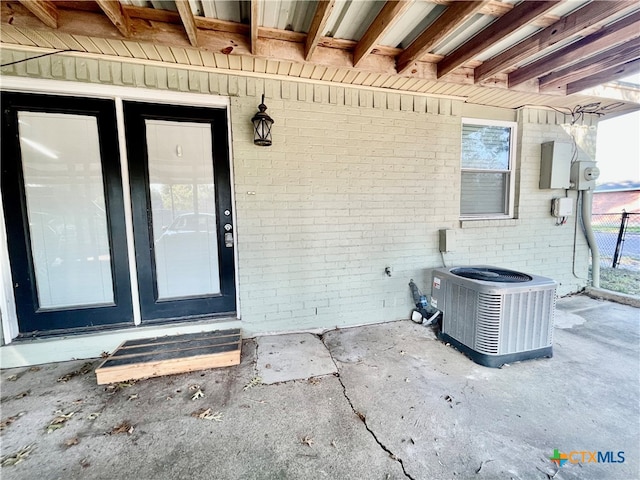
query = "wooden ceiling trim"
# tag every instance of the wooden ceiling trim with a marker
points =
(255, 18)
(117, 16)
(44, 10)
(591, 15)
(188, 21)
(603, 76)
(391, 11)
(517, 18)
(445, 24)
(319, 22)
(86, 43)
(608, 37)
(619, 55)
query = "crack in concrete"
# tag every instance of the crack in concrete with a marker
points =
(361, 416)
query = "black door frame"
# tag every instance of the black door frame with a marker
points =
(32, 318)
(152, 309)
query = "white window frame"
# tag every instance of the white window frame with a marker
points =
(510, 195)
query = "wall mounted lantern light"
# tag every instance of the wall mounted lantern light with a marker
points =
(262, 126)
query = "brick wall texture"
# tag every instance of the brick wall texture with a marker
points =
(356, 180)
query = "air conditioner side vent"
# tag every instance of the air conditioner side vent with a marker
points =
(488, 323)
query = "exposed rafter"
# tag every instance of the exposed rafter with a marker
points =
(323, 10)
(603, 76)
(188, 21)
(45, 10)
(619, 32)
(391, 11)
(517, 18)
(619, 55)
(589, 16)
(446, 23)
(255, 18)
(113, 9)
(159, 35)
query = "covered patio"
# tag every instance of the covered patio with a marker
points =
(384, 401)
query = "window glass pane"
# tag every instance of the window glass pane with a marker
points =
(485, 147)
(66, 209)
(483, 193)
(183, 208)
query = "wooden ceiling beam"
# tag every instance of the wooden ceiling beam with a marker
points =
(622, 31)
(117, 16)
(611, 58)
(188, 21)
(517, 18)
(319, 22)
(255, 17)
(391, 11)
(591, 15)
(45, 10)
(456, 14)
(608, 75)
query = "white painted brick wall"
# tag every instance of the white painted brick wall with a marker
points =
(356, 180)
(347, 190)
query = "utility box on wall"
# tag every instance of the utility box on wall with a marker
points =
(555, 165)
(584, 175)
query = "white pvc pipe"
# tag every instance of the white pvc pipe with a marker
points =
(587, 197)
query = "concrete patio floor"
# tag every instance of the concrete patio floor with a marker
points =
(400, 405)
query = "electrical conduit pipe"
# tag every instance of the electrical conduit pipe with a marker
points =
(587, 198)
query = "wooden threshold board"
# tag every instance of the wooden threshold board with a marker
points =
(154, 357)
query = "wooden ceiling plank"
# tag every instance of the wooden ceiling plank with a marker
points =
(188, 21)
(613, 57)
(591, 15)
(113, 9)
(604, 76)
(318, 24)
(391, 11)
(152, 14)
(622, 31)
(255, 17)
(456, 14)
(45, 10)
(517, 18)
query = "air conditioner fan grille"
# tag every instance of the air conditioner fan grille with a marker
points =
(491, 274)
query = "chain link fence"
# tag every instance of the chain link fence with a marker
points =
(618, 238)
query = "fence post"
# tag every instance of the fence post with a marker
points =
(623, 226)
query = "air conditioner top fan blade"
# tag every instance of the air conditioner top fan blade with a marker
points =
(489, 274)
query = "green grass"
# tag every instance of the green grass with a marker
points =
(620, 280)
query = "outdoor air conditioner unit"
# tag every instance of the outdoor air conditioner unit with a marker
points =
(493, 315)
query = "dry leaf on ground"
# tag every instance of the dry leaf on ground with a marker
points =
(71, 441)
(87, 367)
(254, 381)
(17, 457)
(124, 427)
(9, 420)
(207, 414)
(59, 421)
(306, 440)
(198, 394)
(116, 387)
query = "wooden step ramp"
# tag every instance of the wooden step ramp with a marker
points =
(154, 357)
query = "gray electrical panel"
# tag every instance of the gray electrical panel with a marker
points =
(555, 165)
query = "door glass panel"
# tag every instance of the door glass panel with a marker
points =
(66, 209)
(183, 208)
